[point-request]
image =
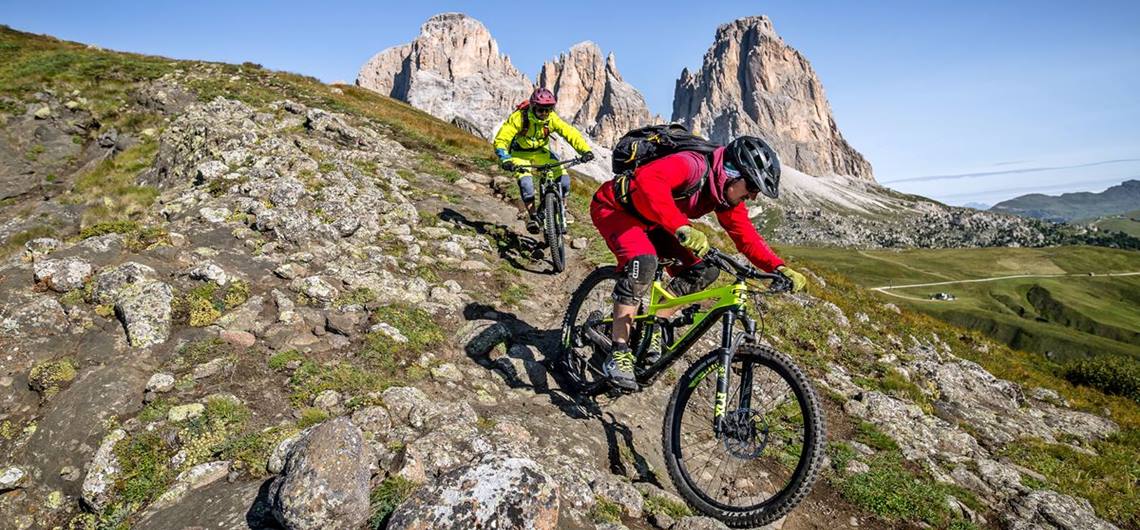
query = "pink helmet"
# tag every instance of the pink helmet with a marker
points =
(543, 98)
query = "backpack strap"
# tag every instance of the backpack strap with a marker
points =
(525, 126)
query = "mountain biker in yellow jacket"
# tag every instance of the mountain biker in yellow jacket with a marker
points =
(524, 140)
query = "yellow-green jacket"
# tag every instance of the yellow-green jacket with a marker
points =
(511, 137)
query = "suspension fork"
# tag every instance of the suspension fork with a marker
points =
(727, 348)
(728, 345)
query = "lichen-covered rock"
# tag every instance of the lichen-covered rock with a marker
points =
(62, 275)
(160, 383)
(316, 289)
(209, 272)
(375, 419)
(49, 377)
(109, 282)
(499, 492)
(699, 522)
(919, 435)
(325, 480)
(144, 309)
(40, 246)
(101, 473)
(11, 478)
(185, 412)
(620, 492)
(1049, 510)
(199, 476)
(40, 316)
(402, 400)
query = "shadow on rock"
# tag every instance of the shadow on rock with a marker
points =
(529, 360)
(518, 250)
(623, 454)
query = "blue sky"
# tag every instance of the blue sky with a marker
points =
(995, 99)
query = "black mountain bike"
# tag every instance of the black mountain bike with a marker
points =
(551, 209)
(743, 433)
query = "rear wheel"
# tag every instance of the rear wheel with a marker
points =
(769, 450)
(552, 230)
(582, 358)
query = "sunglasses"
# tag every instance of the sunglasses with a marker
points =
(543, 109)
(749, 186)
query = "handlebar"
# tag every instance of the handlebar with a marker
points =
(779, 282)
(567, 163)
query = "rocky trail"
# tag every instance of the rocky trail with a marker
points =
(318, 322)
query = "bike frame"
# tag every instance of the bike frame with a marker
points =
(731, 306)
(547, 181)
(545, 174)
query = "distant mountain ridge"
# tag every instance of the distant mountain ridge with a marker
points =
(1074, 206)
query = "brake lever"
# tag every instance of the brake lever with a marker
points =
(780, 284)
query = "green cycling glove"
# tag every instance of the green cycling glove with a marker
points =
(799, 281)
(693, 239)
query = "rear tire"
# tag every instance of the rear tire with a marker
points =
(582, 365)
(773, 450)
(552, 231)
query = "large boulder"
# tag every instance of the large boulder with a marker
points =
(325, 480)
(144, 309)
(62, 275)
(1049, 510)
(499, 492)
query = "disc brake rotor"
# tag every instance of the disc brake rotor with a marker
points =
(744, 433)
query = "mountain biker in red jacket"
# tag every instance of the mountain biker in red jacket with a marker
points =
(654, 219)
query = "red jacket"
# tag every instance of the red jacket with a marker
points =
(655, 183)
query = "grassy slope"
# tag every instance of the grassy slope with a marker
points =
(995, 306)
(1128, 222)
(31, 63)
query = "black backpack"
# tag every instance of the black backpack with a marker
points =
(647, 144)
(644, 145)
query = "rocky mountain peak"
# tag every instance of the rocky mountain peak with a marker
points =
(592, 95)
(452, 70)
(751, 82)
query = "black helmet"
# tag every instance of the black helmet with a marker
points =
(757, 164)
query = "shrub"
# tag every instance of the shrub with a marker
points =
(1109, 374)
(279, 360)
(386, 497)
(606, 511)
(143, 461)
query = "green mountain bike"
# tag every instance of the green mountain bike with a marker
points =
(551, 209)
(743, 433)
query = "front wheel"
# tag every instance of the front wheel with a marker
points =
(769, 449)
(552, 230)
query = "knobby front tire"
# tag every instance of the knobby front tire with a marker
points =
(552, 231)
(766, 462)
